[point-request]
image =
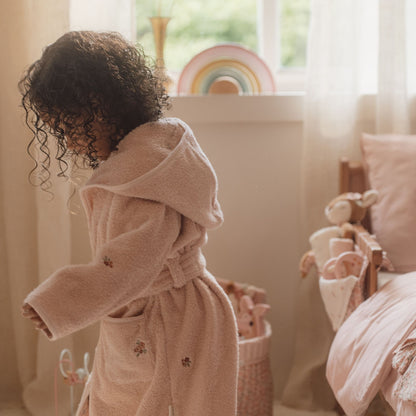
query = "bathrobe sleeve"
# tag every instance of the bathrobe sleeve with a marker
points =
(123, 268)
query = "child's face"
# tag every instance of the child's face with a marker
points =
(77, 140)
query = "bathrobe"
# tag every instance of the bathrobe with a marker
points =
(168, 336)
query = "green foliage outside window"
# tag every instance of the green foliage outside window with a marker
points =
(197, 25)
(294, 24)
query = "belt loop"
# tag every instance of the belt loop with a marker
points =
(176, 270)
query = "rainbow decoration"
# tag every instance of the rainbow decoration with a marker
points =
(230, 61)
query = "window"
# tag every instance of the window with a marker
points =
(275, 29)
(197, 25)
(294, 23)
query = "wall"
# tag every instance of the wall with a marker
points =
(254, 144)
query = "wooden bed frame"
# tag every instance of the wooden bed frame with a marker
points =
(353, 178)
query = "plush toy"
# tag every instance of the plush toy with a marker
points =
(349, 208)
(344, 210)
(249, 304)
(236, 291)
(250, 318)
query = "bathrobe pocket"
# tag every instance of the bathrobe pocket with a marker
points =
(126, 351)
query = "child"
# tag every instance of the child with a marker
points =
(168, 338)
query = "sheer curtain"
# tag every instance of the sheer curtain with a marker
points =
(37, 234)
(360, 77)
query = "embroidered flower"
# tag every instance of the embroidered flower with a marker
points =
(186, 362)
(140, 348)
(107, 261)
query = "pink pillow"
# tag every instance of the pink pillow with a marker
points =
(390, 161)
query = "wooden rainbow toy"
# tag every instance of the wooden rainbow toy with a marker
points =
(228, 61)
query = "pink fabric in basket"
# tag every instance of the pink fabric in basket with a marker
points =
(390, 161)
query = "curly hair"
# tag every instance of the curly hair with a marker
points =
(83, 77)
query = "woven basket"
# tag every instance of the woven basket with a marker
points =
(255, 382)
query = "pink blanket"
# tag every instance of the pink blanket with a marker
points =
(360, 361)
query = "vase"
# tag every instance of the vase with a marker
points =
(159, 25)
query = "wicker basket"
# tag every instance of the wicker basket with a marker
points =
(255, 382)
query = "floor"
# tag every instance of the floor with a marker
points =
(377, 408)
(14, 410)
(285, 411)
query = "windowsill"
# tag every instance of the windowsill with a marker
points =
(281, 107)
(284, 107)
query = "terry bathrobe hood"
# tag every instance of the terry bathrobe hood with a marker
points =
(161, 161)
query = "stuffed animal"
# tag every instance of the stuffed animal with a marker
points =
(235, 291)
(250, 318)
(344, 210)
(249, 306)
(349, 208)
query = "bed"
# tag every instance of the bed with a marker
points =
(375, 348)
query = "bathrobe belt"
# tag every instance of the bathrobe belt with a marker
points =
(178, 271)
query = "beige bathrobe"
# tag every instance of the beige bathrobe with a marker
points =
(168, 337)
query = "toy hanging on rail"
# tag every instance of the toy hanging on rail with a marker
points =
(340, 263)
(71, 376)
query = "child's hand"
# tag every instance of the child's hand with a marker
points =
(29, 312)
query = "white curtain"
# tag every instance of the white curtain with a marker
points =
(397, 67)
(104, 15)
(361, 76)
(342, 67)
(37, 235)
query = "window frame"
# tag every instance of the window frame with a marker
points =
(287, 79)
